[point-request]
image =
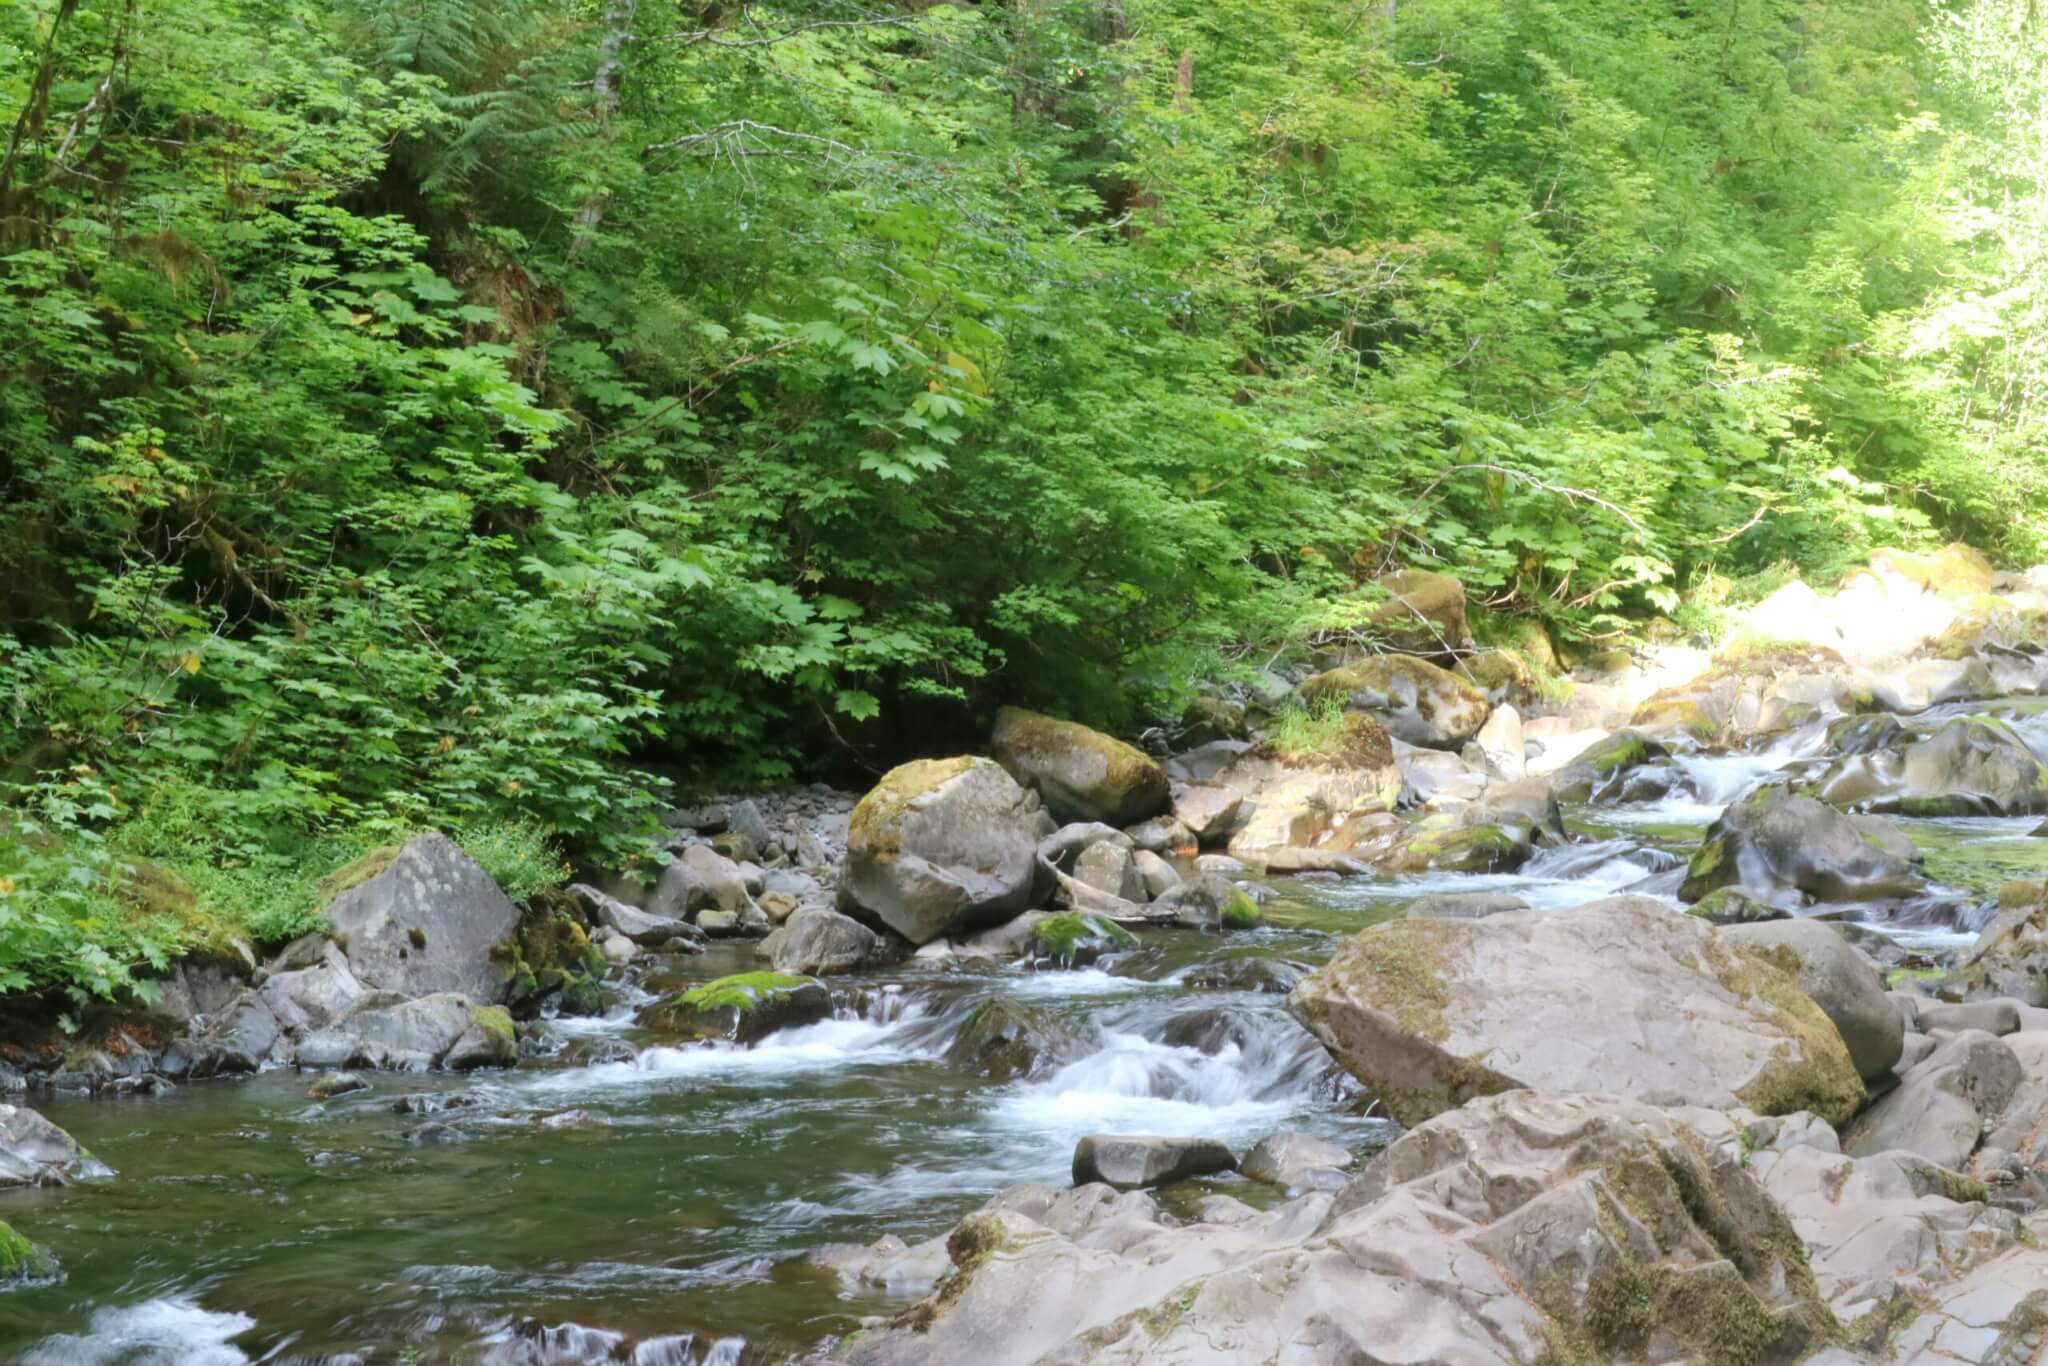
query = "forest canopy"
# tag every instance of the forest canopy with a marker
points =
(455, 412)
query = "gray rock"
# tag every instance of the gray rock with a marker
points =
(2010, 958)
(328, 1085)
(1205, 902)
(744, 818)
(1208, 811)
(2022, 1129)
(889, 1265)
(1490, 1235)
(1132, 1162)
(641, 927)
(1601, 771)
(1994, 1017)
(1004, 1040)
(427, 924)
(35, 1152)
(1774, 839)
(1429, 1014)
(1161, 835)
(1971, 766)
(1842, 982)
(240, 1038)
(942, 847)
(1082, 774)
(1110, 868)
(1202, 763)
(1740, 906)
(819, 943)
(1415, 700)
(1914, 1049)
(1271, 976)
(384, 1031)
(1062, 849)
(1295, 1161)
(313, 997)
(1158, 875)
(1940, 1107)
(1464, 905)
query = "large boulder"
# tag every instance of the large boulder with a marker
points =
(240, 1037)
(1846, 986)
(1525, 1228)
(1940, 1108)
(1618, 995)
(1082, 774)
(423, 919)
(1601, 771)
(1773, 839)
(942, 847)
(35, 1152)
(818, 942)
(1415, 700)
(1300, 798)
(385, 1030)
(2010, 957)
(1970, 766)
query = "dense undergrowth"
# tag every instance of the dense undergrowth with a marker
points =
(448, 412)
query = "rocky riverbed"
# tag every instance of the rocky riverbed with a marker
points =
(1699, 1015)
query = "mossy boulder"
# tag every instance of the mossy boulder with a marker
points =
(1082, 774)
(1734, 906)
(22, 1260)
(1954, 571)
(1442, 844)
(1207, 901)
(1291, 797)
(1601, 770)
(942, 846)
(1777, 841)
(1620, 995)
(1072, 939)
(1424, 614)
(743, 1008)
(551, 956)
(1412, 698)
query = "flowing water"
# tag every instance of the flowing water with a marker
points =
(658, 1208)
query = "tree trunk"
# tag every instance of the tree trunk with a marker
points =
(611, 62)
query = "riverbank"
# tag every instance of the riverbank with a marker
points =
(995, 985)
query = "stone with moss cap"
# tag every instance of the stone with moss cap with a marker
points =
(1415, 700)
(424, 920)
(1082, 774)
(1073, 939)
(942, 847)
(1425, 614)
(1775, 841)
(444, 1030)
(742, 1008)
(22, 1260)
(1601, 769)
(1618, 995)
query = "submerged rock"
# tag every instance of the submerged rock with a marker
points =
(35, 1152)
(1082, 774)
(1621, 995)
(743, 1008)
(328, 1085)
(1129, 1162)
(1774, 839)
(1003, 1040)
(1524, 1228)
(942, 847)
(1272, 976)
(22, 1260)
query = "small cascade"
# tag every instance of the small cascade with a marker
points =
(571, 1344)
(170, 1328)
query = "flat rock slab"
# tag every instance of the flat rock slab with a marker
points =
(1622, 995)
(1133, 1162)
(35, 1152)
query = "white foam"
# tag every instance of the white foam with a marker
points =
(172, 1330)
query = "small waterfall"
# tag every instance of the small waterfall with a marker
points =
(171, 1328)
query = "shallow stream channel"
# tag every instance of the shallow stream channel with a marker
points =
(630, 1200)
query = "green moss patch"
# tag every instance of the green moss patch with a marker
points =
(1073, 938)
(21, 1259)
(744, 992)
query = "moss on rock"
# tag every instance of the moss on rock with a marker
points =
(1811, 1072)
(1082, 774)
(743, 1007)
(875, 827)
(1240, 912)
(21, 1259)
(1073, 939)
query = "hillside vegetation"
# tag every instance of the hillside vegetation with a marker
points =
(447, 413)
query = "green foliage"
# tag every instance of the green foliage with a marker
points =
(441, 414)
